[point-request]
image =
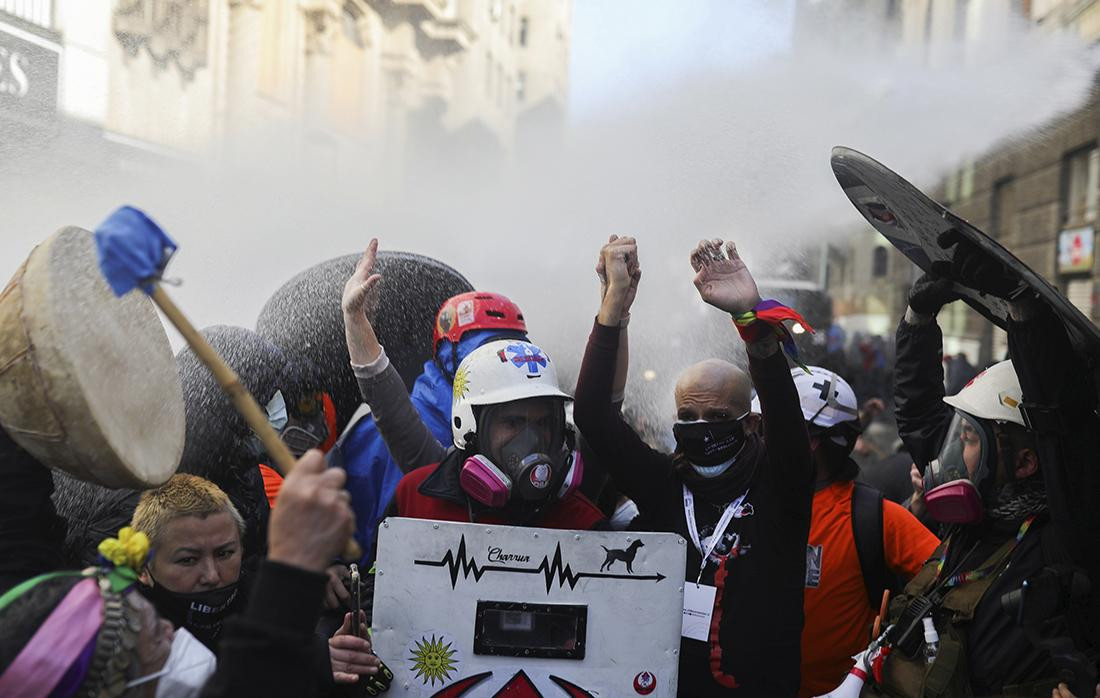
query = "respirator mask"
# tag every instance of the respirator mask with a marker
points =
(532, 460)
(955, 480)
(301, 430)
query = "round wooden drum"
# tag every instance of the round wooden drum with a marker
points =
(88, 383)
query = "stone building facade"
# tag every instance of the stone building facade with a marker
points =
(183, 78)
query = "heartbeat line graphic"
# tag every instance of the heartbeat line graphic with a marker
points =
(457, 562)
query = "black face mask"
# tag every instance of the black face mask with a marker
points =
(201, 612)
(709, 443)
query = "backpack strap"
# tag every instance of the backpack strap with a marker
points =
(867, 532)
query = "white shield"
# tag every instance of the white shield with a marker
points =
(469, 609)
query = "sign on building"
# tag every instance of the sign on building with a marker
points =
(1075, 250)
(479, 611)
(28, 76)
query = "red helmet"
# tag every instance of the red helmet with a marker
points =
(476, 310)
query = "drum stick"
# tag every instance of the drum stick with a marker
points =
(242, 399)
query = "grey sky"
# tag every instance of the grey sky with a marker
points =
(621, 46)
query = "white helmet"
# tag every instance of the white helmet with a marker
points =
(500, 371)
(827, 400)
(993, 394)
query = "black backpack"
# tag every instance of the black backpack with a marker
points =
(867, 532)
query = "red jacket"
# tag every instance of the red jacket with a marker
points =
(432, 492)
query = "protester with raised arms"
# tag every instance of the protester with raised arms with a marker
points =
(743, 507)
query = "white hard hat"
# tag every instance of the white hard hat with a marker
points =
(825, 397)
(993, 394)
(501, 371)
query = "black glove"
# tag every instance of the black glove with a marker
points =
(930, 293)
(974, 268)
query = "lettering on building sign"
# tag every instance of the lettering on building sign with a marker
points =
(170, 31)
(13, 73)
(28, 78)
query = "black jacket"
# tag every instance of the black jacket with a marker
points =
(270, 649)
(998, 651)
(761, 623)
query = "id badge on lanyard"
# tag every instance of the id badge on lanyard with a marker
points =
(699, 598)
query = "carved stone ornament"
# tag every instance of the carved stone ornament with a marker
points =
(171, 31)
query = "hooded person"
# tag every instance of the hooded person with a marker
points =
(464, 323)
(91, 512)
(741, 501)
(220, 446)
(89, 633)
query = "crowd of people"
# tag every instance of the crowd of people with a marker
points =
(231, 580)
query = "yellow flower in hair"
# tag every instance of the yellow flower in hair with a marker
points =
(128, 550)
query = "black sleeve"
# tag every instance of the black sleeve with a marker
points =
(270, 650)
(637, 470)
(923, 417)
(789, 462)
(31, 532)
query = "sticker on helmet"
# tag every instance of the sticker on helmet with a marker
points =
(524, 355)
(465, 313)
(461, 383)
(540, 475)
(446, 320)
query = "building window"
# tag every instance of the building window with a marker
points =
(1080, 185)
(966, 181)
(1003, 209)
(489, 74)
(880, 260)
(522, 31)
(349, 23)
(961, 7)
(521, 87)
(274, 67)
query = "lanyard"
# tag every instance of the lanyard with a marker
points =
(732, 511)
(974, 575)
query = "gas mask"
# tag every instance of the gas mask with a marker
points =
(300, 430)
(955, 481)
(710, 447)
(533, 466)
(187, 668)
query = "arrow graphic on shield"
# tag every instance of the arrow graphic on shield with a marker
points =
(457, 562)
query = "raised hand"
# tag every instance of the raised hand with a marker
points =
(619, 272)
(361, 290)
(723, 280)
(359, 301)
(930, 293)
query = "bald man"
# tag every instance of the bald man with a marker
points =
(743, 507)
